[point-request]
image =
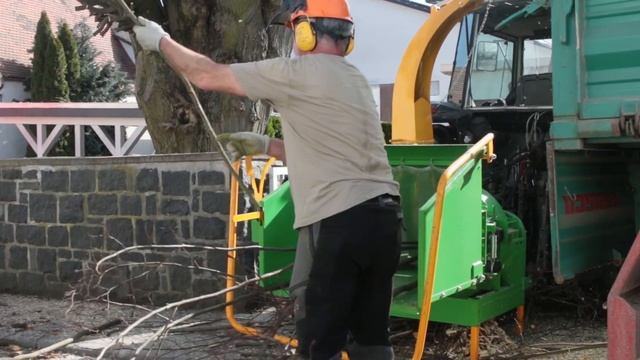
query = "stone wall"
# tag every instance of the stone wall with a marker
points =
(59, 216)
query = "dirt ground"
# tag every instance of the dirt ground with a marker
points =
(27, 323)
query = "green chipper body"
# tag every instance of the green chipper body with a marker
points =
(480, 271)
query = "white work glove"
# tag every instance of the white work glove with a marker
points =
(149, 34)
(244, 143)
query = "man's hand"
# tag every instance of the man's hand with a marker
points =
(149, 34)
(244, 143)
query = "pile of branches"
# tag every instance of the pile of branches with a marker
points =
(194, 314)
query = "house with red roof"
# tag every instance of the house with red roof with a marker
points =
(18, 20)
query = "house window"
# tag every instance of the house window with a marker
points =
(435, 88)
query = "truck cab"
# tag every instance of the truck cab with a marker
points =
(561, 93)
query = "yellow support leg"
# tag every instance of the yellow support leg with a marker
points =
(520, 319)
(474, 343)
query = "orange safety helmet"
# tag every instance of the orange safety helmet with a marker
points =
(333, 9)
(300, 14)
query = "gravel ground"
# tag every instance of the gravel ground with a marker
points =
(27, 323)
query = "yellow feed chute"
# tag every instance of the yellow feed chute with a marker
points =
(411, 117)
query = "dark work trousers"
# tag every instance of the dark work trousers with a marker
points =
(342, 281)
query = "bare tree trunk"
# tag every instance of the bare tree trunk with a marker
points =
(228, 31)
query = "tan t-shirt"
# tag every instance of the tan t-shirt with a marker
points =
(332, 136)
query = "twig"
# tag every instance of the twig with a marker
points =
(185, 302)
(601, 343)
(71, 340)
(187, 246)
(136, 306)
(552, 352)
(400, 334)
(161, 263)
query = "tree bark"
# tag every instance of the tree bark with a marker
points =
(228, 31)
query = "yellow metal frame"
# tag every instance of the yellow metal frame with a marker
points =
(484, 149)
(234, 219)
(411, 113)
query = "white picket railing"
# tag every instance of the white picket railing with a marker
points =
(120, 116)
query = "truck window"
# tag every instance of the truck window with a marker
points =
(492, 70)
(537, 57)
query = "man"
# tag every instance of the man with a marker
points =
(345, 199)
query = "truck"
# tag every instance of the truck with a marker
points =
(549, 93)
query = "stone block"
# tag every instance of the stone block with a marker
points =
(31, 283)
(3, 263)
(11, 174)
(83, 181)
(8, 191)
(119, 233)
(215, 202)
(87, 237)
(176, 183)
(175, 207)
(166, 231)
(23, 198)
(33, 261)
(205, 286)
(70, 270)
(208, 178)
(101, 204)
(112, 180)
(217, 260)
(117, 276)
(31, 234)
(71, 209)
(46, 260)
(180, 278)
(147, 180)
(2, 212)
(132, 256)
(57, 236)
(43, 208)
(144, 232)
(64, 254)
(131, 205)
(18, 258)
(18, 214)
(185, 229)
(151, 205)
(195, 201)
(28, 186)
(97, 255)
(30, 174)
(95, 220)
(154, 257)
(7, 233)
(8, 281)
(181, 259)
(147, 282)
(56, 181)
(81, 255)
(209, 228)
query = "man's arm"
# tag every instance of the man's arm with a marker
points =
(199, 69)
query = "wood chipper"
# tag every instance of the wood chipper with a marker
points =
(553, 89)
